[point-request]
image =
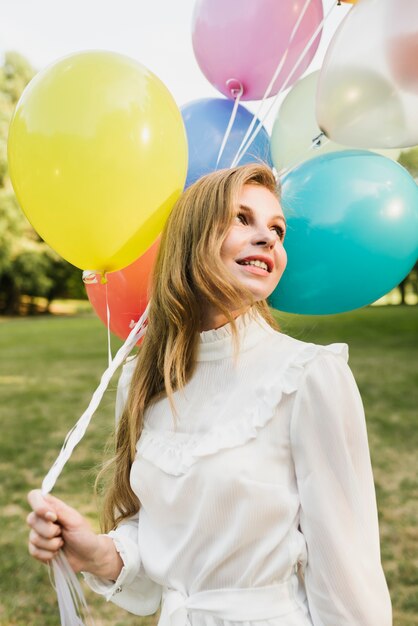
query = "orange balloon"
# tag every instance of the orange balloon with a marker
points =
(127, 292)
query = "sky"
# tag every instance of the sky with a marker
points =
(157, 33)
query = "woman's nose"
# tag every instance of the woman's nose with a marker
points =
(264, 238)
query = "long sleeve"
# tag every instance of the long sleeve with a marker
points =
(344, 579)
(133, 590)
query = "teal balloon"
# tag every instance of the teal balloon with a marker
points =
(352, 232)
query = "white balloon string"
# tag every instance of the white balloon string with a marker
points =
(109, 347)
(284, 86)
(317, 142)
(237, 93)
(75, 435)
(72, 605)
(271, 84)
(240, 152)
(71, 602)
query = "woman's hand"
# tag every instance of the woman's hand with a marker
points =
(55, 525)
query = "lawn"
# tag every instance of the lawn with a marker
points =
(49, 368)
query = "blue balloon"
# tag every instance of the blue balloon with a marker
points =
(352, 232)
(206, 121)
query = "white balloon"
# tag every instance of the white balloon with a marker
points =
(295, 128)
(368, 86)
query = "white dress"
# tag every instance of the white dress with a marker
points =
(260, 510)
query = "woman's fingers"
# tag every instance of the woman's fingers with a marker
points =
(41, 507)
(41, 543)
(53, 509)
(42, 527)
(52, 517)
(41, 555)
(44, 538)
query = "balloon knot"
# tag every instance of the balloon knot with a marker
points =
(235, 87)
(317, 141)
(103, 278)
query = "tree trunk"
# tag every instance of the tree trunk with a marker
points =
(402, 289)
(10, 296)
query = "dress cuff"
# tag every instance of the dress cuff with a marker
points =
(130, 556)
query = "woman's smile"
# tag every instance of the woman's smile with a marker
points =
(261, 262)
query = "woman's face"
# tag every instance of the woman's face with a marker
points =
(253, 247)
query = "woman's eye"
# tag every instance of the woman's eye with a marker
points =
(280, 231)
(241, 217)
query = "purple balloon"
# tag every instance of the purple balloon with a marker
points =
(246, 39)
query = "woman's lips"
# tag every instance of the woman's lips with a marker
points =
(253, 269)
(267, 260)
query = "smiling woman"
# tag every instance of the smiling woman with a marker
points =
(242, 487)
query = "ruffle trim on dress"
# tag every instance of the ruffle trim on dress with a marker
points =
(175, 453)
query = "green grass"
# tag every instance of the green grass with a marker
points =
(49, 368)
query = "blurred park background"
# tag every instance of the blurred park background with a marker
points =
(54, 349)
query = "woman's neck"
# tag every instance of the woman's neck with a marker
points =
(214, 319)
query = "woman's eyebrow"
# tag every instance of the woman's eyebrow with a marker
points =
(244, 207)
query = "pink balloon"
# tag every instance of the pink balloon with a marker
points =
(244, 41)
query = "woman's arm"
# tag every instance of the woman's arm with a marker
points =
(110, 564)
(344, 579)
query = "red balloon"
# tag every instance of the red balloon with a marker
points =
(127, 293)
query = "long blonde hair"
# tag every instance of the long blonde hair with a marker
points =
(188, 275)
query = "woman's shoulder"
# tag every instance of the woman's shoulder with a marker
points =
(285, 359)
(303, 351)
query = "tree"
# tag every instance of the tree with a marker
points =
(409, 159)
(28, 266)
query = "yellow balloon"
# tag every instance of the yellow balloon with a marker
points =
(97, 156)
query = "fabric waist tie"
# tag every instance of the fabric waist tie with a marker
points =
(252, 603)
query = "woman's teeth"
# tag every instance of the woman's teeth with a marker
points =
(257, 263)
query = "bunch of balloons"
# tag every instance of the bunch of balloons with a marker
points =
(352, 215)
(99, 151)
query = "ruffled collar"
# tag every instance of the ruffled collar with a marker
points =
(176, 452)
(218, 343)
